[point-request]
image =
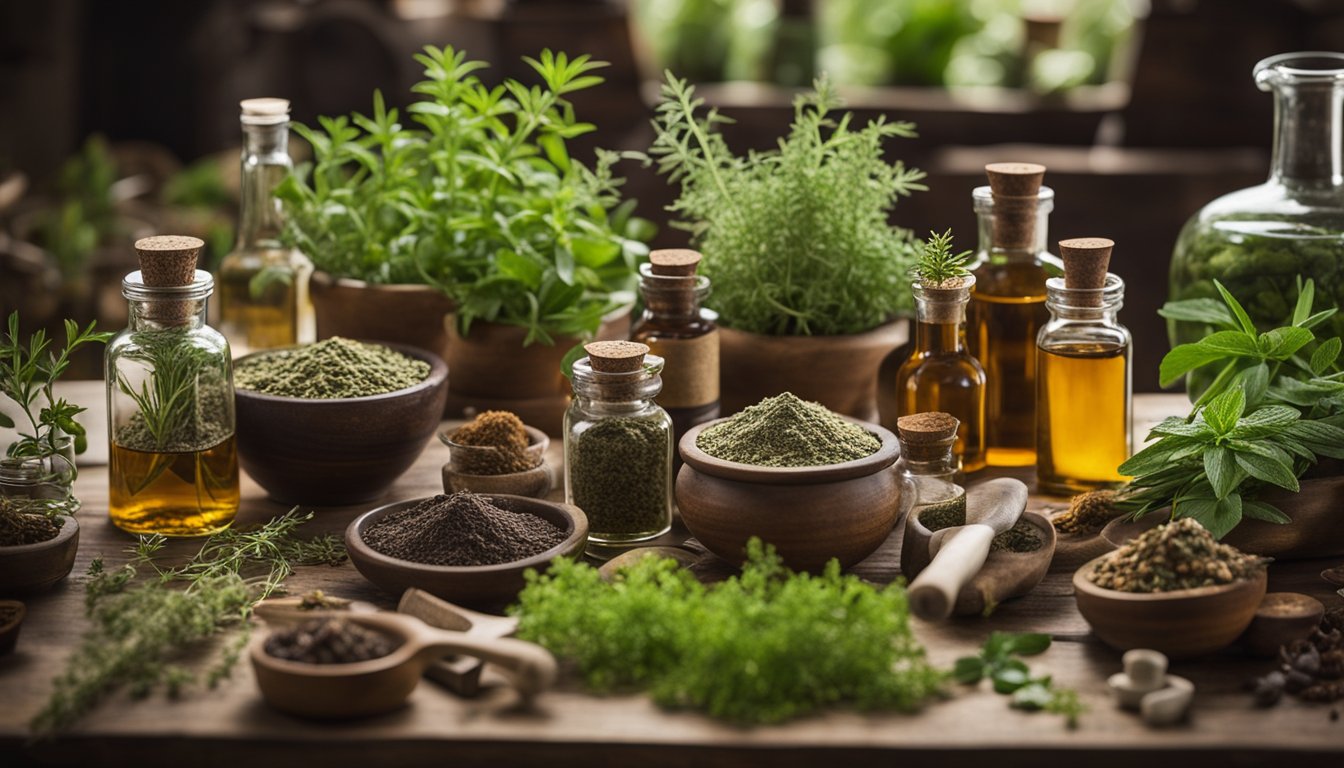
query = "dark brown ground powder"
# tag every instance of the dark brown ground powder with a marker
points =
(462, 529)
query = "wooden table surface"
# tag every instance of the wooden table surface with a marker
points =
(231, 726)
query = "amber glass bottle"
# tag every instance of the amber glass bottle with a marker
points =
(1007, 307)
(1083, 375)
(675, 328)
(941, 374)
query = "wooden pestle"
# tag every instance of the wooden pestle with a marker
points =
(958, 553)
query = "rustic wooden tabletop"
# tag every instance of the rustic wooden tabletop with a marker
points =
(231, 726)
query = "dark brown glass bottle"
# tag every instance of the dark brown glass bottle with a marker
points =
(676, 329)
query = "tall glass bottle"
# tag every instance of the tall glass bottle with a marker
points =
(941, 374)
(263, 286)
(1257, 241)
(676, 329)
(173, 468)
(1007, 307)
(1083, 377)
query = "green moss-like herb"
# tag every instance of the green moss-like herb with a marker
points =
(331, 368)
(787, 431)
(761, 647)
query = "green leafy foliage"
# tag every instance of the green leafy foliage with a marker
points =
(1265, 418)
(1011, 676)
(482, 199)
(761, 647)
(796, 239)
(146, 617)
(28, 375)
(937, 264)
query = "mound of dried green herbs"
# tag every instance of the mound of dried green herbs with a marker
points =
(1178, 555)
(330, 369)
(787, 431)
(762, 647)
(147, 617)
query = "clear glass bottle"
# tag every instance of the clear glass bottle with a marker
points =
(173, 468)
(1007, 309)
(928, 466)
(1084, 394)
(263, 286)
(1257, 241)
(49, 478)
(941, 374)
(618, 444)
(677, 329)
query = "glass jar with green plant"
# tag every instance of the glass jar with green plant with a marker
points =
(796, 240)
(479, 197)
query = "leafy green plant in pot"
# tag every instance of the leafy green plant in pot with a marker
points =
(808, 274)
(481, 200)
(38, 531)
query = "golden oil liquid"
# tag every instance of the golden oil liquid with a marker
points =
(265, 320)
(937, 378)
(176, 494)
(1006, 312)
(1083, 417)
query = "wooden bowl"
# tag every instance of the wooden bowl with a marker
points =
(35, 567)
(1005, 575)
(1280, 619)
(340, 451)
(9, 630)
(490, 586)
(810, 514)
(1182, 624)
(535, 482)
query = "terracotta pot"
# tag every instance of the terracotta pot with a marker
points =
(401, 314)
(491, 369)
(840, 372)
(35, 567)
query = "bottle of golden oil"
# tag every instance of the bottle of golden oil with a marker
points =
(174, 466)
(941, 374)
(1083, 376)
(263, 286)
(1007, 307)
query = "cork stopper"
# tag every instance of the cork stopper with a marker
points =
(927, 436)
(1015, 188)
(266, 111)
(1086, 261)
(674, 262)
(616, 356)
(168, 261)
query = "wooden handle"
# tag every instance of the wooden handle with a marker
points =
(531, 668)
(933, 593)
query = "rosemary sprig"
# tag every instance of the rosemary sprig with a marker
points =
(146, 617)
(937, 265)
(169, 399)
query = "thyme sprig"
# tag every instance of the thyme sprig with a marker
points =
(937, 265)
(147, 616)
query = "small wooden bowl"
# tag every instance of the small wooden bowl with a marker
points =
(35, 567)
(490, 586)
(1182, 624)
(9, 631)
(535, 482)
(1005, 575)
(1281, 618)
(810, 514)
(340, 451)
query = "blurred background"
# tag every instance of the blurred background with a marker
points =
(121, 119)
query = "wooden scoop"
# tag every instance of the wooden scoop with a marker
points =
(958, 553)
(334, 691)
(459, 674)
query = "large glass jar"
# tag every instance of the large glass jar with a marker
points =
(1258, 241)
(173, 468)
(618, 447)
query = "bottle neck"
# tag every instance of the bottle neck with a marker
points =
(1100, 305)
(1308, 93)
(1013, 229)
(672, 298)
(599, 392)
(161, 314)
(265, 163)
(940, 315)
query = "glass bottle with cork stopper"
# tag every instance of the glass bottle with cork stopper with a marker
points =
(941, 374)
(263, 286)
(928, 467)
(173, 465)
(618, 444)
(1083, 375)
(676, 329)
(1007, 307)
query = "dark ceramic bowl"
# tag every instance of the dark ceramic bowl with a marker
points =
(35, 567)
(478, 585)
(343, 451)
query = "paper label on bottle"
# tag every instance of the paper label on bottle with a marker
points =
(690, 371)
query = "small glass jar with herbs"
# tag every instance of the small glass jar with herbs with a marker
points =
(618, 444)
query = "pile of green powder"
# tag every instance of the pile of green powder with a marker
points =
(785, 431)
(330, 369)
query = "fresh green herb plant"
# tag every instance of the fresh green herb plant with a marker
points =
(28, 375)
(1010, 675)
(762, 647)
(146, 617)
(937, 265)
(796, 239)
(1266, 417)
(482, 199)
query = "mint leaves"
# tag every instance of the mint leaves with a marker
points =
(1011, 676)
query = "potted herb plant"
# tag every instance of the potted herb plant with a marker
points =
(808, 274)
(38, 531)
(479, 200)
